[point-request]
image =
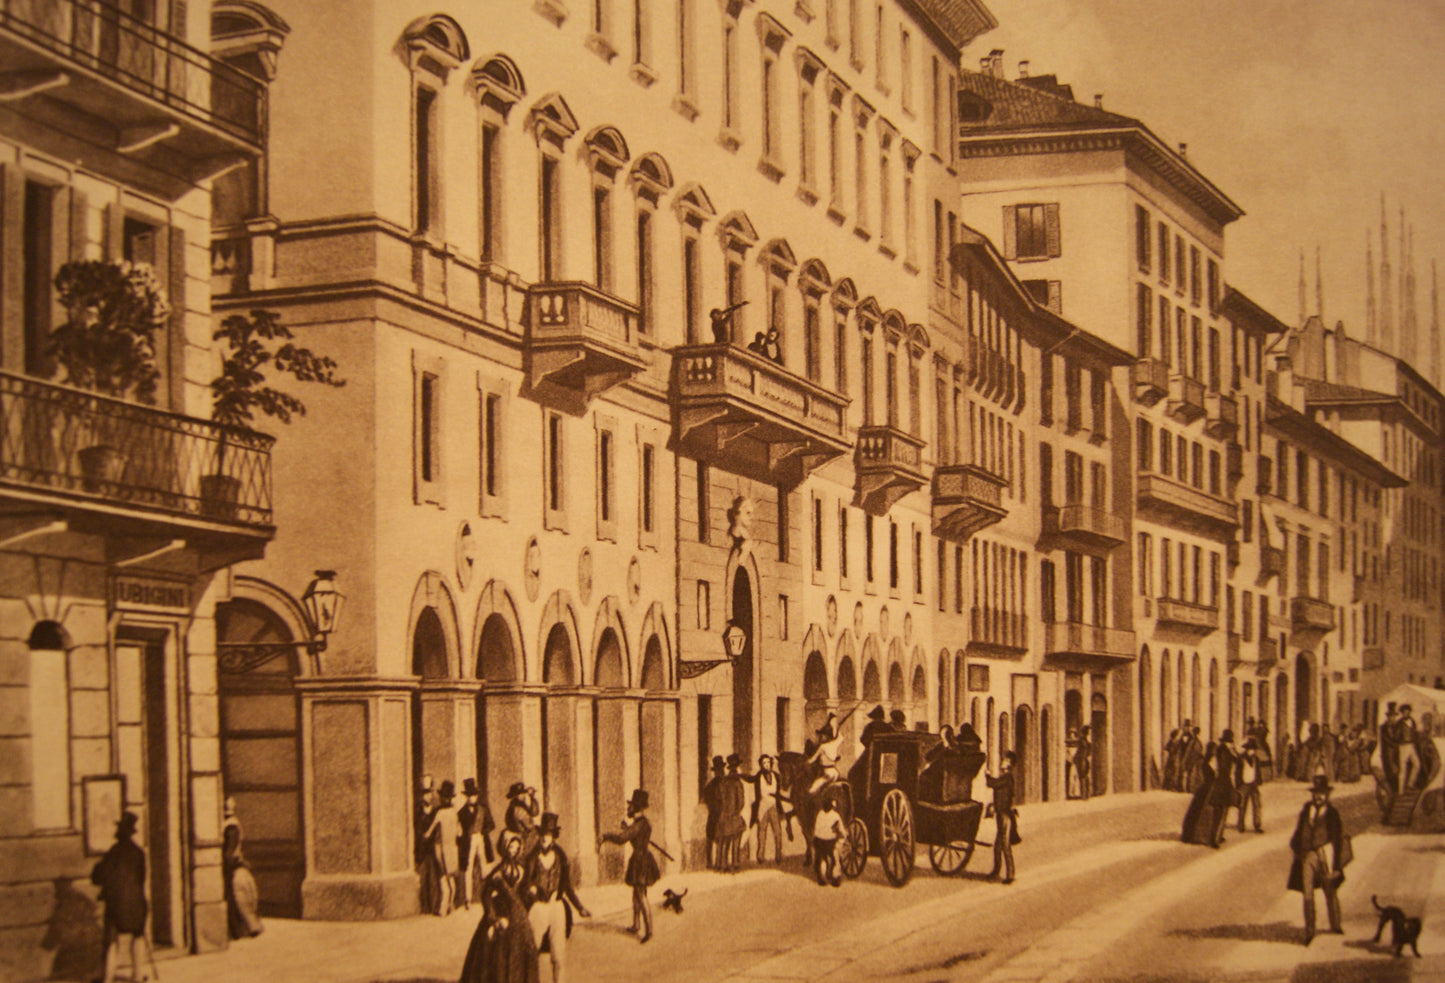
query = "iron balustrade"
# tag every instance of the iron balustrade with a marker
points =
(1074, 638)
(91, 448)
(102, 38)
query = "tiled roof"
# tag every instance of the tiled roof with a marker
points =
(1317, 391)
(1016, 105)
(960, 20)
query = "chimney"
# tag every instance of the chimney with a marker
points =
(1024, 69)
(995, 58)
(1098, 100)
(1184, 150)
(985, 65)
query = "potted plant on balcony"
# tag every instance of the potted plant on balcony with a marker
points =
(253, 342)
(107, 345)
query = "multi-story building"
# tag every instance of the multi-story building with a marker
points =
(113, 549)
(1126, 238)
(637, 314)
(1381, 405)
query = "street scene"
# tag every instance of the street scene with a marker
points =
(745, 490)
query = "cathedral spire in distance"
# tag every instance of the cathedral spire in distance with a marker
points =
(1371, 325)
(1387, 328)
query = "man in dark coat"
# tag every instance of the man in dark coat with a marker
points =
(424, 849)
(121, 876)
(767, 810)
(473, 845)
(731, 825)
(877, 724)
(550, 897)
(898, 720)
(711, 798)
(521, 816)
(1318, 845)
(1247, 780)
(1221, 792)
(1005, 818)
(642, 870)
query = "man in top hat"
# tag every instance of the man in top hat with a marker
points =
(730, 824)
(767, 809)
(444, 834)
(521, 816)
(642, 871)
(121, 876)
(1389, 750)
(1407, 735)
(1221, 789)
(898, 720)
(1318, 844)
(1005, 818)
(473, 846)
(1248, 779)
(550, 897)
(877, 724)
(711, 799)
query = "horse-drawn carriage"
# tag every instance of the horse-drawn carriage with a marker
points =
(905, 788)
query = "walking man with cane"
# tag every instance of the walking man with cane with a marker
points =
(1006, 834)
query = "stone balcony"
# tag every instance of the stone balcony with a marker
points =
(580, 341)
(966, 498)
(1186, 505)
(1311, 614)
(1187, 616)
(164, 107)
(1186, 398)
(887, 464)
(1234, 652)
(750, 416)
(1150, 380)
(1268, 655)
(1234, 460)
(1078, 647)
(1085, 525)
(151, 481)
(1271, 562)
(1264, 475)
(1222, 414)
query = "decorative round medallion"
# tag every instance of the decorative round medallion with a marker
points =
(858, 619)
(883, 625)
(908, 629)
(532, 569)
(634, 581)
(832, 616)
(584, 577)
(466, 555)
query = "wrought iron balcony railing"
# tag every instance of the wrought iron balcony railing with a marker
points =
(1081, 647)
(888, 465)
(966, 498)
(1188, 616)
(1086, 524)
(1186, 504)
(67, 448)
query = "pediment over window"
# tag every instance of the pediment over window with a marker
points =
(737, 232)
(551, 119)
(692, 205)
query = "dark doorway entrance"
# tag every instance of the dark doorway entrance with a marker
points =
(1099, 734)
(1023, 768)
(743, 722)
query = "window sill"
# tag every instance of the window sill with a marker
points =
(862, 233)
(643, 75)
(730, 140)
(600, 46)
(910, 267)
(856, 62)
(1031, 259)
(803, 10)
(607, 531)
(807, 195)
(683, 105)
(554, 520)
(835, 214)
(770, 169)
(887, 250)
(493, 507)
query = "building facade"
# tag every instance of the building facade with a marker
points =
(114, 540)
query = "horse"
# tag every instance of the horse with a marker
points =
(797, 775)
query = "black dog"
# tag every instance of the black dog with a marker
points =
(1404, 930)
(672, 901)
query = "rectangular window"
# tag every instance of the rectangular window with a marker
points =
(893, 556)
(644, 272)
(428, 430)
(783, 522)
(704, 503)
(730, 78)
(1180, 264)
(490, 180)
(1196, 279)
(1046, 388)
(835, 152)
(692, 290)
(704, 741)
(424, 163)
(867, 379)
(917, 563)
(783, 617)
(910, 220)
(686, 60)
(784, 719)
(1047, 591)
(1166, 568)
(772, 122)
(958, 580)
(868, 548)
(602, 236)
(492, 429)
(1143, 247)
(860, 174)
(1144, 327)
(807, 136)
(555, 493)
(812, 338)
(942, 573)
(704, 605)
(649, 489)
(817, 535)
(1146, 564)
(550, 214)
(840, 352)
(1144, 439)
(1214, 361)
(843, 542)
(1166, 348)
(38, 256)
(1246, 616)
(1165, 266)
(1034, 231)
(905, 70)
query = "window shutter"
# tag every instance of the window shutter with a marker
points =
(1056, 293)
(1051, 228)
(174, 262)
(12, 270)
(79, 206)
(1010, 233)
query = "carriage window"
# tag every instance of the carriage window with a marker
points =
(888, 768)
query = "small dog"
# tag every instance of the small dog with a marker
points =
(672, 901)
(1404, 930)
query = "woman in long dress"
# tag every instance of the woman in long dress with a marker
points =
(1199, 817)
(242, 898)
(503, 949)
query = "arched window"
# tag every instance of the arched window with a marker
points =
(606, 153)
(552, 124)
(434, 46)
(650, 179)
(778, 265)
(813, 282)
(499, 87)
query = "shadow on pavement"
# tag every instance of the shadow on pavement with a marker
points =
(1273, 932)
(1374, 970)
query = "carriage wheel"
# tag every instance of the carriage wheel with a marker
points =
(951, 857)
(895, 823)
(855, 848)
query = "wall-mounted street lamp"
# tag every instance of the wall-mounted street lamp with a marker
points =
(321, 602)
(734, 640)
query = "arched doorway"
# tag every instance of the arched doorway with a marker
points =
(815, 694)
(1303, 688)
(559, 728)
(499, 762)
(742, 667)
(609, 747)
(1235, 724)
(990, 738)
(1214, 728)
(1148, 763)
(1281, 719)
(847, 685)
(1099, 734)
(944, 704)
(651, 746)
(430, 735)
(897, 694)
(1196, 683)
(1046, 743)
(1165, 689)
(261, 755)
(920, 698)
(1023, 748)
(872, 684)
